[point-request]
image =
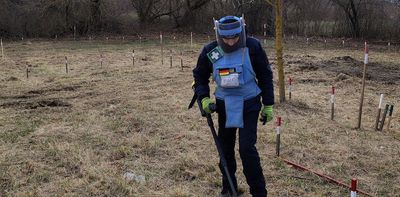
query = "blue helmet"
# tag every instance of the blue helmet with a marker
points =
(230, 27)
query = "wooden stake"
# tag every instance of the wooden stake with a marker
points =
(2, 49)
(191, 39)
(27, 71)
(74, 32)
(325, 43)
(390, 117)
(181, 60)
(101, 60)
(363, 84)
(384, 117)
(333, 103)
(162, 49)
(66, 64)
(378, 117)
(170, 58)
(290, 88)
(343, 43)
(133, 57)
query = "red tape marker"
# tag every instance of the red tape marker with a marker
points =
(353, 188)
(279, 121)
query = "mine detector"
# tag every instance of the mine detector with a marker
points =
(210, 122)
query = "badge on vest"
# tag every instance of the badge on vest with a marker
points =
(215, 54)
(229, 77)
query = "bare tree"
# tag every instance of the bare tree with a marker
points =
(278, 6)
(351, 9)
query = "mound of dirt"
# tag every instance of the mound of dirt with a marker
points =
(12, 79)
(385, 72)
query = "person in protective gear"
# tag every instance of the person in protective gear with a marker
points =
(240, 67)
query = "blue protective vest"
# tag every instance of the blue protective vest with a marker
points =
(236, 82)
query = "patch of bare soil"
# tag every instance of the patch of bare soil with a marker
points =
(58, 89)
(385, 72)
(36, 104)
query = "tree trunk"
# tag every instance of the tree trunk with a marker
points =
(279, 49)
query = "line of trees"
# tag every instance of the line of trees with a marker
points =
(333, 18)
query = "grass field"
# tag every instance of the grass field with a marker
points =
(77, 134)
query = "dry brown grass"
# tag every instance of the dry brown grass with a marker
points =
(76, 134)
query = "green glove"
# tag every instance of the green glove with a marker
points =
(267, 113)
(205, 104)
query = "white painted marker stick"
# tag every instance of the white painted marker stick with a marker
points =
(379, 112)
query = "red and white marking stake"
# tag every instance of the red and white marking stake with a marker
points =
(278, 135)
(290, 88)
(333, 103)
(378, 117)
(353, 188)
(363, 84)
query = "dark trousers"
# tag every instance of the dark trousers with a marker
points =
(247, 149)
